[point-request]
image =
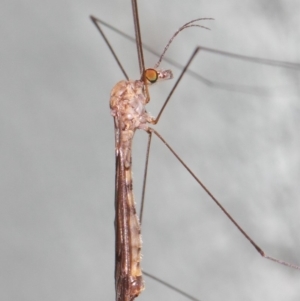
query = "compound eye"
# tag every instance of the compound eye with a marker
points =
(151, 75)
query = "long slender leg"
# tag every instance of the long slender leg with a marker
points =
(155, 121)
(173, 288)
(236, 56)
(97, 24)
(254, 244)
(145, 177)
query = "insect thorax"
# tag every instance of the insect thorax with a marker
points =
(127, 102)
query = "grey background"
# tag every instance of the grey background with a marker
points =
(57, 151)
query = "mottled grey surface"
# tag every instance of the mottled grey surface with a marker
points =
(57, 151)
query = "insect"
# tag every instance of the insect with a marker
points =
(258, 93)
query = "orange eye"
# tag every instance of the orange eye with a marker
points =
(151, 75)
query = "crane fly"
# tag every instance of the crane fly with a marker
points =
(128, 101)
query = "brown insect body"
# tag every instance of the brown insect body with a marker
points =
(127, 103)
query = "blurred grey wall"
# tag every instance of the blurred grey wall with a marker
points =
(57, 151)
